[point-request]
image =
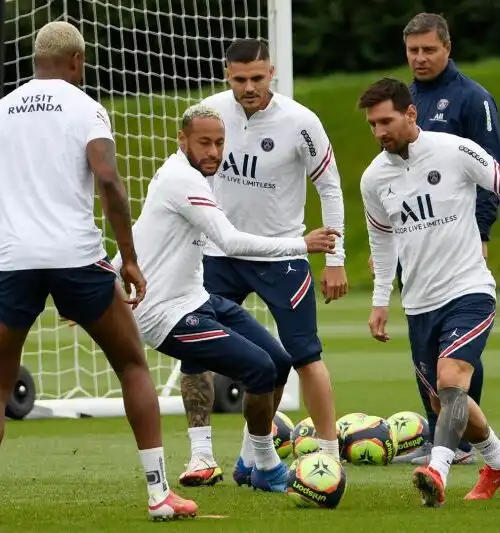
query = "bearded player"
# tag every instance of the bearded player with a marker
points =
(178, 317)
(272, 145)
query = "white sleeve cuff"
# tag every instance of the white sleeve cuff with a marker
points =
(382, 294)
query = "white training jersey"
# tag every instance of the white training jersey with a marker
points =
(422, 211)
(261, 183)
(47, 188)
(169, 236)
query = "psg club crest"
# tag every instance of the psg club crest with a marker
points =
(434, 177)
(442, 104)
(192, 321)
(267, 144)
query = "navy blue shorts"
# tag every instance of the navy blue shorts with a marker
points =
(222, 337)
(80, 294)
(458, 330)
(286, 287)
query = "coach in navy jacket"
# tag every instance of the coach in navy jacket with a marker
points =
(453, 103)
(450, 102)
(456, 104)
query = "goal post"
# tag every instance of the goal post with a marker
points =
(147, 60)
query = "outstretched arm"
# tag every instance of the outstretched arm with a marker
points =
(200, 208)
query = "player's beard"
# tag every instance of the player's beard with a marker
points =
(399, 148)
(197, 163)
(260, 100)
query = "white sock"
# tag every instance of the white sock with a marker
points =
(153, 462)
(264, 451)
(201, 441)
(490, 450)
(331, 447)
(441, 459)
(246, 452)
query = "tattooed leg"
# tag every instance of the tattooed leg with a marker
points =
(198, 397)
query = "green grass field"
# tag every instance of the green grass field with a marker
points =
(84, 475)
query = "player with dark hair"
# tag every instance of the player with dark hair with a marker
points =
(451, 102)
(179, 318)
(272, 144)
(419, 196)
(53, 137)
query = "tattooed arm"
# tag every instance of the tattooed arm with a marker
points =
(198, 396)
(102, 160)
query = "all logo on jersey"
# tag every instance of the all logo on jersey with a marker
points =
(438, 117)
(419, 214)
(242, 169)
(246, 169)
(442, 104)
(267, 144)
(434, 177)
(421, 210)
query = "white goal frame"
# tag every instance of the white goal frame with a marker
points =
(279, 24)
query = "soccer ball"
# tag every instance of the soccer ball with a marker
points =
(370, 441)
(316, 480)
(304, 438)
(344, 423)
(412, 430)
(282, 434)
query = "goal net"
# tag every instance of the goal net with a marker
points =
(147, 60)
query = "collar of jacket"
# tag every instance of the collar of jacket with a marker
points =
(446, 76)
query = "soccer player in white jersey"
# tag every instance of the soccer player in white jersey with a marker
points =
(53, 137)
(419, 195)
(178, 317)
(272, 144)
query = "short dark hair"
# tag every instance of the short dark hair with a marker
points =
(386, 89)
(426, 22)
(246, 51)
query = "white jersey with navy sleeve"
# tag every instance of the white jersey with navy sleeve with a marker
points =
(261, 184)
(47, 199)
(422, 211)
(169, 236)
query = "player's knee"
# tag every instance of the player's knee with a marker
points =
(454, 373)
(262, 376)
(283, 364)
(190, 369)
(303, 351)
(307, 363)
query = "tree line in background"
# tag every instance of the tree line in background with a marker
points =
(328, 36)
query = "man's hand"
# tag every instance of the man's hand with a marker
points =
(370, 266)
(377, 322)
(485, 249)
(321, 240)
(333, 283)
(132, 275)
